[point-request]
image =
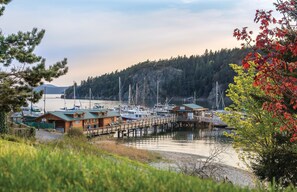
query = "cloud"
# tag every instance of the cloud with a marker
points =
(101, 36)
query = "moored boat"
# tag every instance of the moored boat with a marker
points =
(135, 113)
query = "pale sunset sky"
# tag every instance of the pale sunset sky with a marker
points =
(101, 36)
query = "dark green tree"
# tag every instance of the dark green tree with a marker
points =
(21, 70)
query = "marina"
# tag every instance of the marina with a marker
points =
(148, 95)
(94, 119)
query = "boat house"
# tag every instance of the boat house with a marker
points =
(84, 119)
(189, 111)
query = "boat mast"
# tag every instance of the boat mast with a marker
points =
(144, 91)
(129, 96)
(222, 100)
(217, 95)
(158, 92)
(194, 100)
(90, 98)
(44, 99)
(65, 99)
(74, 97)
(120, 90)
(136, 94)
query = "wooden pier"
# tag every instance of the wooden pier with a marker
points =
(142, 127)
(124, 129)
(201, 122)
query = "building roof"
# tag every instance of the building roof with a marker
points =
(88, 114)
(193, 106)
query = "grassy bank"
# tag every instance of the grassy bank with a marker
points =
(74, 165)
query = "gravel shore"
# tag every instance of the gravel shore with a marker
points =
(42, 135)
(172, 161)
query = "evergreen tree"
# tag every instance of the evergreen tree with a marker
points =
(21, 70)
(179, 76)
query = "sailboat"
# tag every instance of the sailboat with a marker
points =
(75, 107)
(162, 109)
(219, 108)
(132, 112)
(220, 104)
(28, 113)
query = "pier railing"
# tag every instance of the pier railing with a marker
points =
(130, 125)
(214, 121)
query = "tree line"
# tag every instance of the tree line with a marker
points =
(179, 76)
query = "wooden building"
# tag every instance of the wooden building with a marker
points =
(84, 119)
(189, 111)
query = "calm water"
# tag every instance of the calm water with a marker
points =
(197, 142)
(55, 102)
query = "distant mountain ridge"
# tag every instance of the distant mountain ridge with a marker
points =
(178, 77)
(51, 89)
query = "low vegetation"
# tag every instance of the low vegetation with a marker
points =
(75, 165)
(75, 132)
(129, 152)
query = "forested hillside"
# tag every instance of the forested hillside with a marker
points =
(50, 89)
(178, 77)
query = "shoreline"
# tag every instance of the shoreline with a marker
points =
(171, 160)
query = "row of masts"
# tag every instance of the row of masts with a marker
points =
(218, 95)
(136, 92)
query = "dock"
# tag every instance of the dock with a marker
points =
(141, 127)
(122, 129)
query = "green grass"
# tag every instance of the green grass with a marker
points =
(74, 165)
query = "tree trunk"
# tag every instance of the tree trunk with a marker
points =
(3, 123)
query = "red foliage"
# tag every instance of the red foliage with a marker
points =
(275, 56)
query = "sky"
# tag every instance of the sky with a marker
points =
(101, 36)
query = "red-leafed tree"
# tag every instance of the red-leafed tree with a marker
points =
(275, 55)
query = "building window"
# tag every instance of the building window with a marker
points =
(77, 122)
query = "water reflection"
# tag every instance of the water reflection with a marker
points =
(198, 142)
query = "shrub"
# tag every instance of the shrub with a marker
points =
(75, 132)
(31, 132)
(278, 164)
(27, 133)
(11, 138)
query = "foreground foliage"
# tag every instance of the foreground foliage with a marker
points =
(273, 157)
(21, 70)
(275, 57)
(74, 166)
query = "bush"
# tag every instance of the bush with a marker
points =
(28, 133)
(11, 138)
(75, 132)
(278, 164)
(31, 132)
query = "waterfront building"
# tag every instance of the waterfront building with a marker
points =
(83, 119)
(189, 111)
